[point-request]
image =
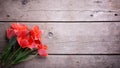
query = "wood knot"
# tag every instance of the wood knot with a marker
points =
(24, 2)
(50, 34)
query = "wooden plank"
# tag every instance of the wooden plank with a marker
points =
(76, 38)
(59, 10)
(72, 61)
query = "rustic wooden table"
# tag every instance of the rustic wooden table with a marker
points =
(79, 33)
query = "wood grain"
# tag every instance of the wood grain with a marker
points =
(73, 41)
(77, 38)
(59, 10)
(72, 61)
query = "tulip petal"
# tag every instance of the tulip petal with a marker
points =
(10, 33)
(42, 52)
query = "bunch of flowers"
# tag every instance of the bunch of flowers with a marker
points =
(22, 43)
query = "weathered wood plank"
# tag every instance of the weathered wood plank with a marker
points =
(59, 10)
(70, 61)
(77, 38)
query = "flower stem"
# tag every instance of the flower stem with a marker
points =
(15, 53)
(25, 52)
(32, 57)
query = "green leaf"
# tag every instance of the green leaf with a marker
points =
(7, 53)
(6, 56)
(25, 59)
(21, 57)
(12, 41)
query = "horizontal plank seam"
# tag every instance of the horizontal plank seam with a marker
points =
(62, 21)
(84, 54)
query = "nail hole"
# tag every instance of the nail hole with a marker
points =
(77, 62)
(7, 15)
(116, 14)
(50, 34)
(97, 1)
(109, 11)
(91, 15)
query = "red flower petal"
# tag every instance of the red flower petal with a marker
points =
(23, 42)
(36, 33)
(42, 47)
(42, 52)
(10, 33)
(28, 38)
(18, 26)
(45, 47)
(14, 25)
(27, 41)
(19, 29)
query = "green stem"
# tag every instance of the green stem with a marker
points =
(7, 51)
(5, 55)
(31, 57)
(11, 57)
(26, 59)
(27, 49)
(15, 53)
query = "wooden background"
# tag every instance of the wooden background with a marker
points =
(79, 33)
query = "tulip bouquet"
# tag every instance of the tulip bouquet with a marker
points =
(22, 43)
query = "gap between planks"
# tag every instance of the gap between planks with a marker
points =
(60, 21)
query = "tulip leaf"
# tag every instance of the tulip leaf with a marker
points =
(12, 41)
(7, 53)
(21, 56)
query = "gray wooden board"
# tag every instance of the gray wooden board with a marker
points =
(76, 38)
(73, 61)
(59, 10)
